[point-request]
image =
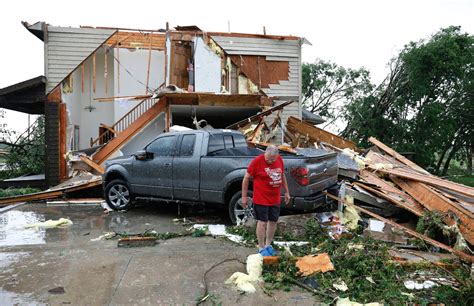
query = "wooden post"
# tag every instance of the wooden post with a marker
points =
(93, 73)
(149, 63)
(62, 141)
(168, 117)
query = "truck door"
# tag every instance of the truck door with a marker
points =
(186, 165)
(154, 176)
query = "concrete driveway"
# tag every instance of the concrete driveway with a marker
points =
(63, 266)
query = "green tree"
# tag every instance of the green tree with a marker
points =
(25, 155)
(328, 87)
(425, 104)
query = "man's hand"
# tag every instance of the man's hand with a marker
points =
(287, 198)
(245, 201)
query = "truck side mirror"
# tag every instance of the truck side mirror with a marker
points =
(143, 155)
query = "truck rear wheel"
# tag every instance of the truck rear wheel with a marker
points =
(118, 195)
(237, 213)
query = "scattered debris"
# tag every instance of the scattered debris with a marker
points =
(62, 222)
(412, 285)
(348, 302)
(57, 290)
(105, 236)
(341, 286)
(333, 224)
(129, 242)
(311, 264)
(246, 282)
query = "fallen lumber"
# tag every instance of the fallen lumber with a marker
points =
(378, 158)
(430, 180)
(315, 134)
(130, 242)
(50, 193)
(258, 116)
(462, 255)
(413, 207)
(92, 164)
(407, 202)
(435, 201)
(397, 155)
(413, 257)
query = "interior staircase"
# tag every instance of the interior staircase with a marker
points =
(127, 127)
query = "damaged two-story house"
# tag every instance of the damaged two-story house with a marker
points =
(113, 90)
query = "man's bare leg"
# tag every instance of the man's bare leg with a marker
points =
(271, 228)
(260, 231)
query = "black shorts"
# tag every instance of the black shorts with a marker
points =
(266, 213)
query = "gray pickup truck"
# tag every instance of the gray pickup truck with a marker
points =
(200, 166)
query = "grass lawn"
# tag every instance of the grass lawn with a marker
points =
(463, 179)
(9, 192)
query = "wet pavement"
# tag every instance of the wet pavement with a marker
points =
(64, 266)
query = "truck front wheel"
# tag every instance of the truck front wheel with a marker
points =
(118, 195)
(237, 213)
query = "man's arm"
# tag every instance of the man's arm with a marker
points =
(245, 188)
(287, 191)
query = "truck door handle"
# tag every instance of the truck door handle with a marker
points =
(168, 165)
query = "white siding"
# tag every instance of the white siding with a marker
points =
(66, 48)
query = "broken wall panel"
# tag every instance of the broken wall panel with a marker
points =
(261, 71)
(181, 56)
(133, 40)
(286, 50)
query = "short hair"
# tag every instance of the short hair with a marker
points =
(272, 150)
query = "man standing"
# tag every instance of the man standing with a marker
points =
(267, 171)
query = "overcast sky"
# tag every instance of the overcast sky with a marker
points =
(348, 32)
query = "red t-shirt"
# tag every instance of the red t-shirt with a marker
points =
(267, 180)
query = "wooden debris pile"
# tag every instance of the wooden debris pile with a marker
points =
(388, 185)
(85, 174)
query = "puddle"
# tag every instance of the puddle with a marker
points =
(6, 259)
(11, 298)
(13, 233)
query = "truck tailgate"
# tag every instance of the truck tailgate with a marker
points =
(320, 173)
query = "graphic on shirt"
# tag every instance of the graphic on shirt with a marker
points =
(275, 175)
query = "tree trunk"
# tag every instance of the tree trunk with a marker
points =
(440, 161)
(455, 149)
(469, 155)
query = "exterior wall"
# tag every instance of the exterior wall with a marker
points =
(150, 132)
(65, 48)
(136, 62)
(207, 68)
(77, 101)
(273, 50)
